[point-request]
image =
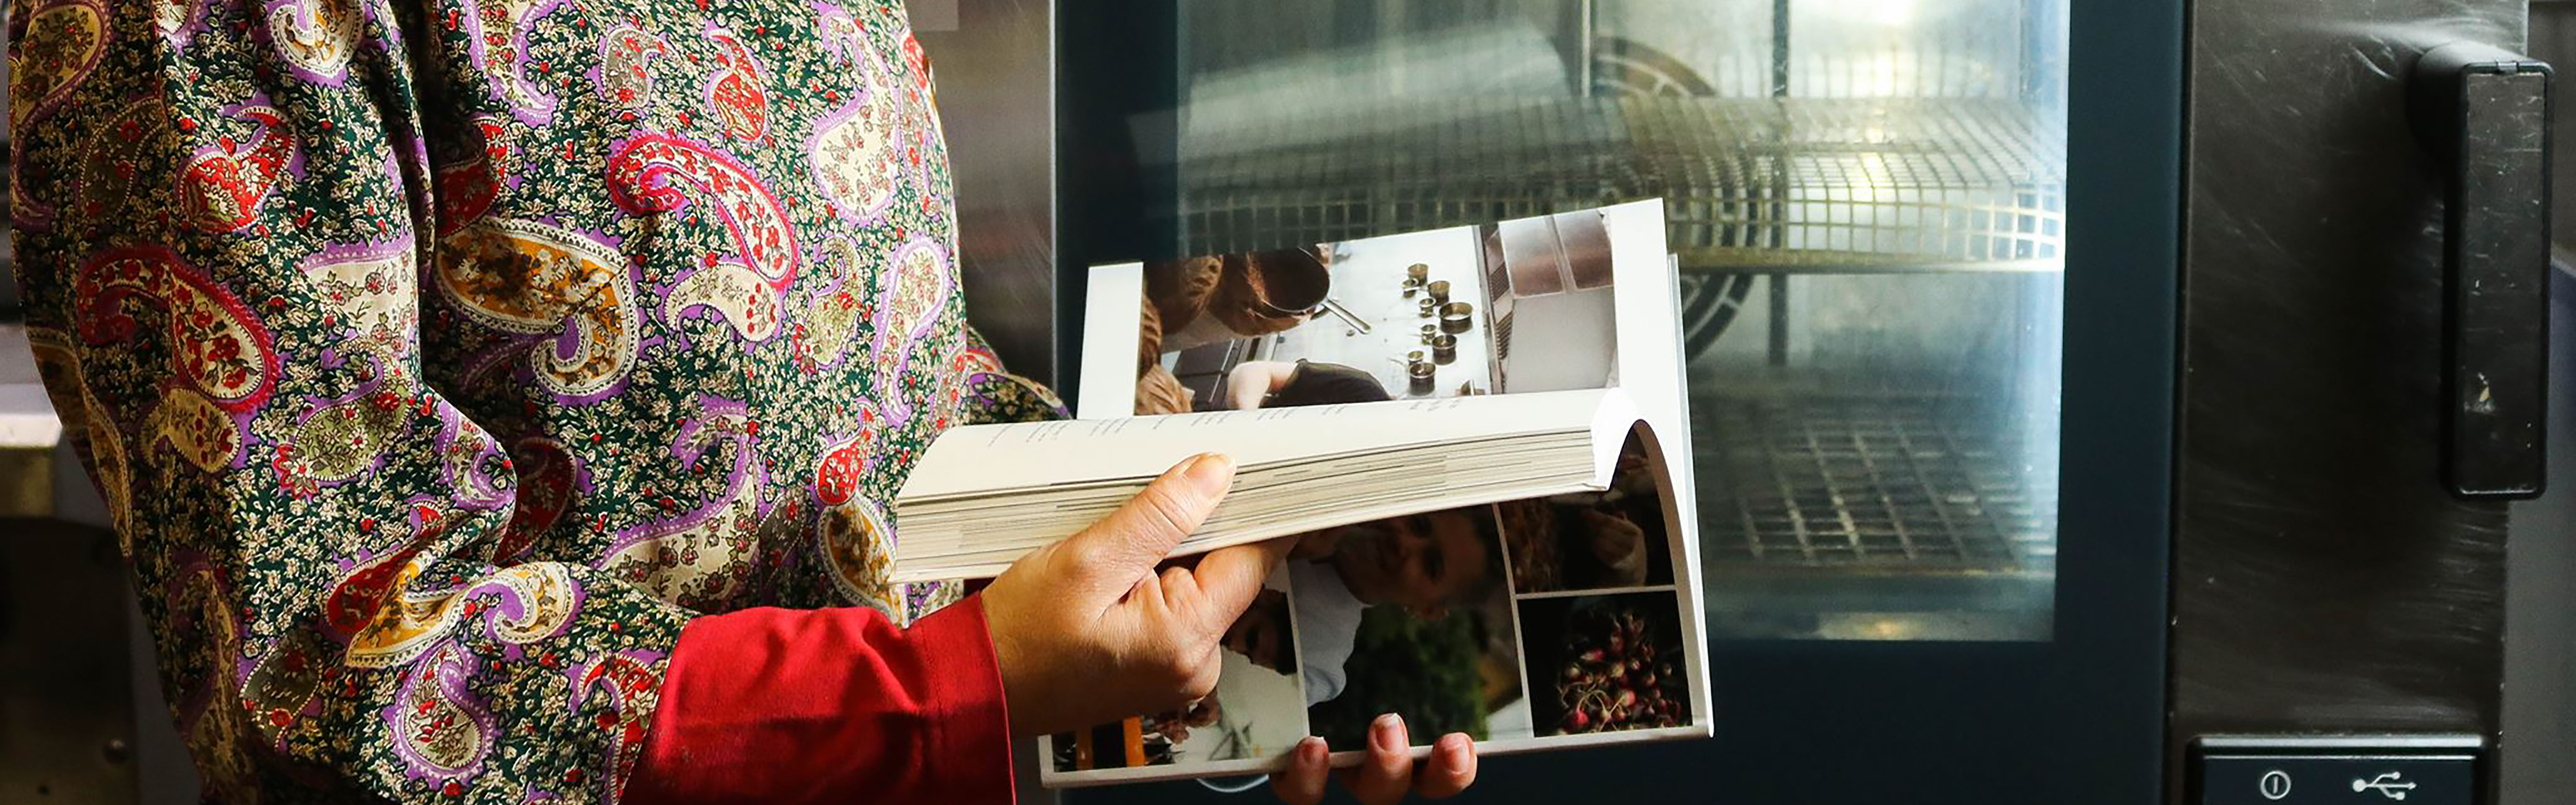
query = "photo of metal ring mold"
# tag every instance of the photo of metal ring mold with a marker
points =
(1457, 317)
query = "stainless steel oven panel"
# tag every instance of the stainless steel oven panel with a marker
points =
(2324, 579)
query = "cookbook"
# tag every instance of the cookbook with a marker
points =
(1478, 437)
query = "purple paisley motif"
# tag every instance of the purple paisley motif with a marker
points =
(52, 49)
(840, 33)
(525, 606)
(442, 730)
(470, 456)
(720, 430)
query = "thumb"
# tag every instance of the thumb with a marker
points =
(1229, 578)
(1129, 542)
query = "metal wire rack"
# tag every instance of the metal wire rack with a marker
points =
(1763, 185)
(1852, 483)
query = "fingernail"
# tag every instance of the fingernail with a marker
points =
(1453, 749)
(1210, 472)
(1387, 733)
(1310, 752)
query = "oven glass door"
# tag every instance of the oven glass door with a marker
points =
(1928, 420)
(1867, 200)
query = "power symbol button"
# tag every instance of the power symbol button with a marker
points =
(2275, 784)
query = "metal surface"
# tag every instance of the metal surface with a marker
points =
(2540, 611)
(2324, 578)
(67, 715)
(993, 60)
(1790, 184)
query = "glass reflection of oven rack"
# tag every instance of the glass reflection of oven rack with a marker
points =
(1866, 200)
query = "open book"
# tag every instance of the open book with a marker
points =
(1299, 470)
(1478, 437)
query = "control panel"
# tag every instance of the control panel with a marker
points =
(2336, 770)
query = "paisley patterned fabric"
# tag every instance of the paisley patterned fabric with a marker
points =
(440, 359)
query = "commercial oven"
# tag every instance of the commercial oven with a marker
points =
(2094, 400)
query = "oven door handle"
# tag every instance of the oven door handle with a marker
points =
(2484, 114)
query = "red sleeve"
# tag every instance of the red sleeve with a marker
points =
(835, 705)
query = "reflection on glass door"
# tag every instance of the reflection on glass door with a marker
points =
(1866, 200)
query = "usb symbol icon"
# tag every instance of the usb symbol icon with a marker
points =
(2392, 785)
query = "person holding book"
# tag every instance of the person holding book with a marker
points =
(501, 402)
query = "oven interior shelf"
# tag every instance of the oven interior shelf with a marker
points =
(1855, 486)
(1751, 185)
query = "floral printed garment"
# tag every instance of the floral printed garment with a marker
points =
(439, 359)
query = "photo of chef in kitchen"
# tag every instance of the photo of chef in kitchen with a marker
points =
(1412, 616)
(1524, 305)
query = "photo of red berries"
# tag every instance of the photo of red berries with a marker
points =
(1618, 664)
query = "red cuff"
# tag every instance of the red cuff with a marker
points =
(835, 705)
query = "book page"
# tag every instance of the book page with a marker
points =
(981, 459)
(1656, 377)
(1528, 624)
(1109, 339)
(1527, 305)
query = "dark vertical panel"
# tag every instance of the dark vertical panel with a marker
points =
(67, 720)
(2540, 611)
(2325, 580)
(1115, 133)
(995, 70)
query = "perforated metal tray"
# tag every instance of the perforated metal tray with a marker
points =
(1751, 184)
(1909, 485)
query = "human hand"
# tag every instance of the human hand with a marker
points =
(1086, 632)
(1388, 773)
